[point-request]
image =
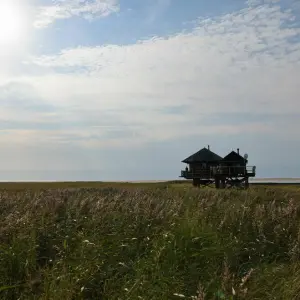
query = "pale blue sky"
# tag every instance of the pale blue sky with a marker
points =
(125, 90)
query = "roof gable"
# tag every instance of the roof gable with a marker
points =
(203, 155)
(234, 157)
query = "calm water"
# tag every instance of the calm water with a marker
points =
(276, 180)
(262, 180)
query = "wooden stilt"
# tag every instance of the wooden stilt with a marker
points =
(246, 182)
(223, 183)
(194, 182)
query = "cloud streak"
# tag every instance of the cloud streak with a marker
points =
(65, 9)
(108, 96)
(157, 9)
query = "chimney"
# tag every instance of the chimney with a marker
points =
(208, 147)
(238, 150)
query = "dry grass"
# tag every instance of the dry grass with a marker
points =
(149, 243)
(18, 186)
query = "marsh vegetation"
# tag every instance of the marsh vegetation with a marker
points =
(160, 241)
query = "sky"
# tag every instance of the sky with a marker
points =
(125, 90)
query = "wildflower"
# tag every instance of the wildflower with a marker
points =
(246, 277)
(233, 291)
(123, 264)
(82, 289)
(88, 242)
(179, 295)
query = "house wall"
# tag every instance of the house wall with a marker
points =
(233, 163)
(201, 167)
(233, 167)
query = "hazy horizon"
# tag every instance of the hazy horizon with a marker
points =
(96, 177)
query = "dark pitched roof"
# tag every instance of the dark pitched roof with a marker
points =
(203, 155)
(234, 157)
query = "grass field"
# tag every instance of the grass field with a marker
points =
(148, 241)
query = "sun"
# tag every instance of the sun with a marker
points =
(11, 22)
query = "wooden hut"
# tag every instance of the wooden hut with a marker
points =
(234, 164)
(199, 166)
(233, 170)
(206, 167)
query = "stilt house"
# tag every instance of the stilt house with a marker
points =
(206, 167)
(200, 164)
(234, 163)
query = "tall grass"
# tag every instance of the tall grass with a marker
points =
(150, 244)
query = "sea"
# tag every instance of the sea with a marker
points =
(251, 180)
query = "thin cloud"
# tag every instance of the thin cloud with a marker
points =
(243, 62)
(65, 9)
(157, 9)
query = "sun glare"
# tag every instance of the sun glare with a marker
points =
(11, 23)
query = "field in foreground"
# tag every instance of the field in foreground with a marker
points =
(157, 241)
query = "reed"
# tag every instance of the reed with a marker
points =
(150, 243)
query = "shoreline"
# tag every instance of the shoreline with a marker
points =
(253, 180)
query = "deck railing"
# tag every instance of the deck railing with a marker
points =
(191, 174)
(219, 170)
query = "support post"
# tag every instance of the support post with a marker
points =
(217, 183)
(246, 182)
(223, 183)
